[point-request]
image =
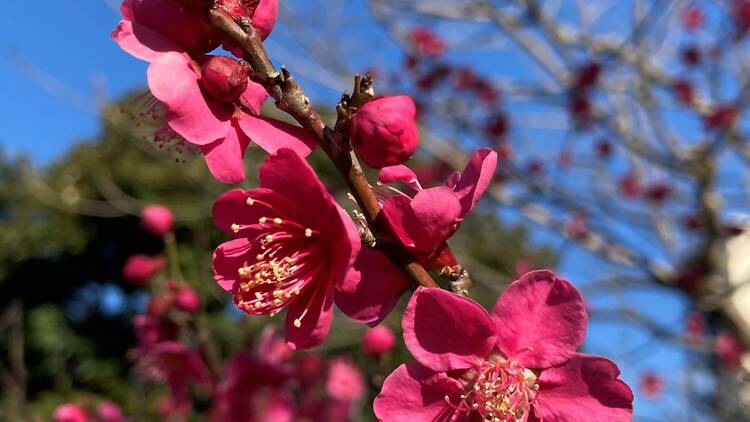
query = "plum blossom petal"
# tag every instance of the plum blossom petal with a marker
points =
(541, 320)
(254, 96)
(142, 42)
(224, 157)
(413, 393)
(444, 331)
(583, 388)
(399, 173)
(174, 82)
(309, 319)
(371, 288)
(228, 257)
(477, 175)
(425, 221)
(272, 135)
(246, 207)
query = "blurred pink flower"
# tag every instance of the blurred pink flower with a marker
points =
(177, 365)
(109, 411)
(728, 349)
(293, 243)
(156, 220)
(517, 364)
(345, 381)
(692, 17)
(384, 131)
(70, 412)
(426, 42)
(214, 105)
(378, 341)
(140, 268)
(652, 385)
(423, 224)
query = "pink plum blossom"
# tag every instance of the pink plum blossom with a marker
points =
(187, 300)
(109, 411)
(728, 349)
(518, 363)
(212, 104)
(140, 268)
(292, 244)
(384, 131)
(422, 223)
(156, 220)
(262, 13)
(652, 385)
(177, 365)
(70, 412)
(378, 341)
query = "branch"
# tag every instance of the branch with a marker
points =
(291, 99)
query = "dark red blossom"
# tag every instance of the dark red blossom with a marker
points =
(426, 42)
(140, 268)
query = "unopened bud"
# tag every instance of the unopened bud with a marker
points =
(224, 78)
(384, 131)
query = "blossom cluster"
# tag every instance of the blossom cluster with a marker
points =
(294, 249)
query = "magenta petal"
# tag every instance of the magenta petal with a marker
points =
(314, 310)
(425, 221)
(173, 82)
(254, 96)
(444, 331)
(475, 178)
(232, 208)
(584, 388)
(399, 173)
(228, 258)
(413, 393)
(272, 135)
(225, 157)
(141, 42)
(371, 288)
(541, 320)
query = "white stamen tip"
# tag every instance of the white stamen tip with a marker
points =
(277, 220)
(308, 232)
(249, 201)
(262, 220)
(235, 228)
(297, 323)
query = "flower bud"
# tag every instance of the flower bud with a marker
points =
(378, 340)
(109, 411)
(139, 269)
(70, 413)
(384, 131)
(158, 306)
(156, 220)
(187, 300)
(224, 78)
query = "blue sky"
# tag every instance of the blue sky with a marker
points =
(42, 114)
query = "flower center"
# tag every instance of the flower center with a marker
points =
(284, 260)
(499, 391)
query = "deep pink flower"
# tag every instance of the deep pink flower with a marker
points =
(684, 91)
(156, 220)
(345, 382)
(292, 245)
(652, 385)
(629, 186)
(723, 117)
(151, 28)
(139, 268)
(517, 364)
(151, 330)
(695, 327)
(187, 300)
(422, 223)
(378, 341)
(70, 412)
(692, 17)
(728, 349)
(109, 411)
(177, 365)
(426, 42)
(213, 106)
(384, 131)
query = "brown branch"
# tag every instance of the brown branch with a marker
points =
(291, 99)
